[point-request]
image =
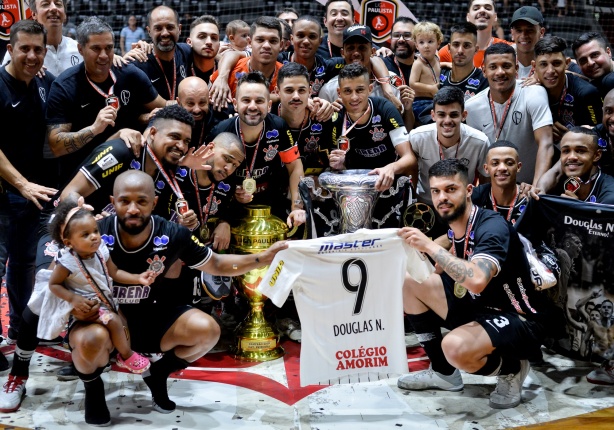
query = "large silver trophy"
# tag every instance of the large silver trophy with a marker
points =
(355, 194)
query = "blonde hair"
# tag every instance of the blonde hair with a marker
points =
(233, 26)
(425, 28)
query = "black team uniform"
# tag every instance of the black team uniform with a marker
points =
(470, 86)
(165, 76)
(483, 198)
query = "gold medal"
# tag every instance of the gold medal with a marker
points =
(181, 206)
(459, 290)
(343, 143)
(249, 185)
(204, 233)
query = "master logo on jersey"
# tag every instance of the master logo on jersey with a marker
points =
(272, 134)
(135, 164)
(376, 119)
(379, 16)
(108, 239)
(271, 151)
(161, 242)
(223, 186)
(182, 171)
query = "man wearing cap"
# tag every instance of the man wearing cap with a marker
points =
(357, 49)
(527, 27)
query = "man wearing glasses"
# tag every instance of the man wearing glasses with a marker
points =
(403, 48)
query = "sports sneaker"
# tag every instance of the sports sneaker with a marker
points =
(216, 287)
(10, 341)
(508, 392)
(290, 328)
(136, 363)
(429, 379)
(13, 392)
(603, 375)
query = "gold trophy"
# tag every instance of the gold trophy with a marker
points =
(256, 339)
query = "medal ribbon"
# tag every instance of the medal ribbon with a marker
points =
(171, 90)
(499, 128)
(248, 173)
(204, 216)
(511, 209)
(99, 293)
(563, 95)
(170, 179)
(441, 156)
(401, 71)
(470, 221)
(345, 130)
(425, 61)
(97, 88)
(300, 130)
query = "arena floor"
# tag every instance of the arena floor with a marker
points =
(220, 392)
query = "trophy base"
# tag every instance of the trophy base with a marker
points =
(256, 342)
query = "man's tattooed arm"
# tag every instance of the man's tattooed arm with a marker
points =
(62, 141)
(473, 275)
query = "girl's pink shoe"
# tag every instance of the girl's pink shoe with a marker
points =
(136, 363)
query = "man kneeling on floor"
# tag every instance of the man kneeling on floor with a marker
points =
(485, 296)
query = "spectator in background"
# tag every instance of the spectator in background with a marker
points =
(288, 14)
(339, 16)
(481, 13)
(286, 33)
(130, 34)
(62, 52)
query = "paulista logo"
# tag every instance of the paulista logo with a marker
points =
(12, 11)
(379, 16)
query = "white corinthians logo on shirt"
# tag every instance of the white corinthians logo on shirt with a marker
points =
(332, 246)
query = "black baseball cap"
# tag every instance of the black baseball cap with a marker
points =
(529, 14)
(357, 31)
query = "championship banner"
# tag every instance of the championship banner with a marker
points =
(11, 11)
(582, 236)
(379, 16)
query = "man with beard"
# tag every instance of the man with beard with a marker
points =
(205, 43)
(509, 111)
(94, 101)
(502, 194)
(168, 64)
(447, 137)
(62, 52)
(581, 177)
(339, 15)
(404, 49)
(606, 132)
(265, 33)
(482, 14)
(168, 139)
(496, 328)
(157, 321)
(270, 150)
(572, 100)
(463, 74)
(593, 55)
(193, 95)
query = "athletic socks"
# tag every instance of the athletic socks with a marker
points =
(427, 326)
(26, 344)
(156, 378)
(509, 366)
(492, 366)
(96, 410)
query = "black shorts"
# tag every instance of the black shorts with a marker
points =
(511, 334)
(150, 323)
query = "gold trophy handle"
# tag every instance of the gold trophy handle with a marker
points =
(293, 231)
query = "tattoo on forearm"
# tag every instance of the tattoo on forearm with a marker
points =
(453, 266)
(487, 267)
(70, 141)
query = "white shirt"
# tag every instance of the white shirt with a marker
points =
(528, 111)
(348, 293)
(57, 60)
(423, 140)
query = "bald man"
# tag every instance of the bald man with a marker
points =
(157, 322)
(193, 95)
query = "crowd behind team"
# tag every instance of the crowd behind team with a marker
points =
(183, 135)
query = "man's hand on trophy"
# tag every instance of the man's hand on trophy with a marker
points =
(386, 177)
(266, 257)
(296, 217)
(416, 239)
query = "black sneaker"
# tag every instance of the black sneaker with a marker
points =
(48, 342)
(216, 287)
